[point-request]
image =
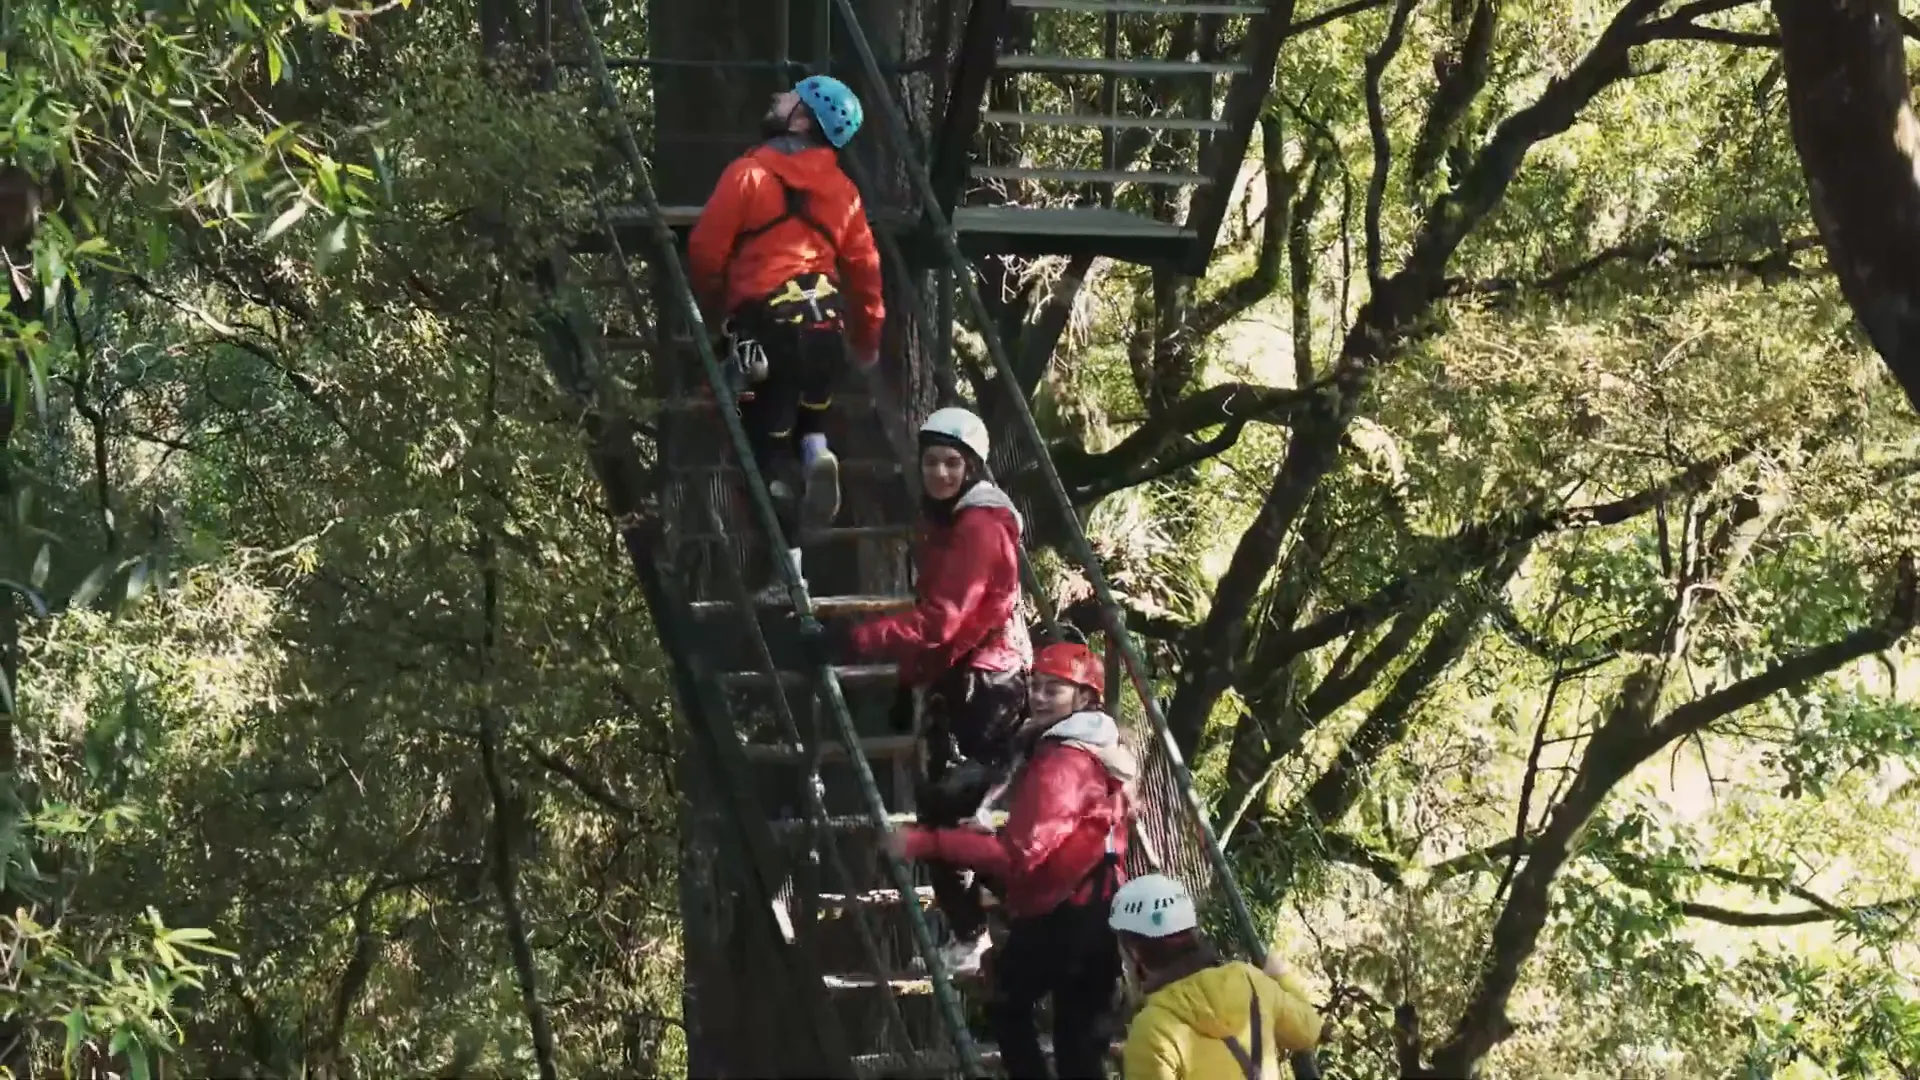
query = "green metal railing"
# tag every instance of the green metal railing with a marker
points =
(900, 135)
(828, 684)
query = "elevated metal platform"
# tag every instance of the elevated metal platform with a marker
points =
(985, 230)
(1025, 167)
(1067, 195)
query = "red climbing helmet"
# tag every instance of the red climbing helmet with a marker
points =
(1069, 662)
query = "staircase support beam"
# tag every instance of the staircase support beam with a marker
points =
(953, 143)
(1226, 151)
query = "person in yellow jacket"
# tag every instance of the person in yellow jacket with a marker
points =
(1205, 1018)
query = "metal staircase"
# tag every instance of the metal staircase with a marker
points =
(1072, 105)
(1052, 104)
(812, 759)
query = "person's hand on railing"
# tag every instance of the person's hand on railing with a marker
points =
(1305, 1065)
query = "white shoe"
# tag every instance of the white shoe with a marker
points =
(776, 594)
(821, 502)
(962, 957)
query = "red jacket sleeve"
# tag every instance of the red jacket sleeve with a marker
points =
(860, 274)
(971, 596)
(1058, 791)
(711, 242)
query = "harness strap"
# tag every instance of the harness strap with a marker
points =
(1250, 1064)
(795, 209)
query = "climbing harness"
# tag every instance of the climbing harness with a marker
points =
(1250, 1063)
(804, 302)
(745, 361)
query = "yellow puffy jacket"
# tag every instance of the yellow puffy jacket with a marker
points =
(1182, 1031)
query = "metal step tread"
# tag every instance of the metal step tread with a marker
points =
(824, 606)
(838, 533)
(838, 903)
(849, 673)
(1065, 221)
(868, 466)
(1145, 7)
(901, 985)
(873, 746)
(941, 1062)
(1125, 66)
(706, 402)
(839, 823)
(1100, 120)
(1093, 176)
(862, 823)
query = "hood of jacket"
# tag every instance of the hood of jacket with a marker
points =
(1218, 1002)
(1097, 733)
(985, 496)
(1214, 1001)
(802, 165)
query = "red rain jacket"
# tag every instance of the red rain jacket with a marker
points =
(967, 596)
(1070, 805)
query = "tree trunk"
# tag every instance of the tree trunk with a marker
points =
(1854, 126)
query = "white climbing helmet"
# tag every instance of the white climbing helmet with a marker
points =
(962, 427)
(1154, 906)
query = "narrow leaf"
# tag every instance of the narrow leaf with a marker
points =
(32, 595)
(137, 582)
(76, 1022)
(91, 587)
(287, 220)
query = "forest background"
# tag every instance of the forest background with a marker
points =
(1549, 687)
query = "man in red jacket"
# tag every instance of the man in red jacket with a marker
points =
(780, 238)
(1058, 863)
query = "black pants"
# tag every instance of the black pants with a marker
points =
(972, 719)
(804, 358)
(1069, 954)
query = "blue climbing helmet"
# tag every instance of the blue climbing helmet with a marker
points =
(834, 107)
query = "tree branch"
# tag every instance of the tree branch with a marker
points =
(1772, 265)
(1479, 543)
(1622, 743)
(1089, 477)
(1376, 67)
(1332, 14)
(1696, 715)
(1462, 70)
(1395, 308)
(1333, 794)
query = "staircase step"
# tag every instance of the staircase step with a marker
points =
(901, 985)
(1142, 7)
(862, 823)
(1093, 176)
(862, 466)
(837, 534)
(705, 403)
(843, 823)
(1098, 120)
(849, 673)
(826, 607)
(1124, 67)
(873, 746)
(832, 904)
(942, 1062)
